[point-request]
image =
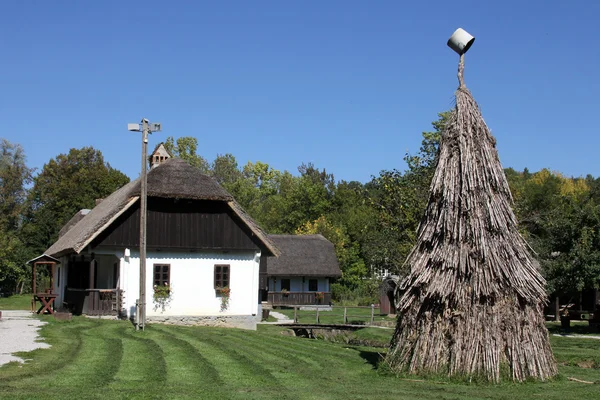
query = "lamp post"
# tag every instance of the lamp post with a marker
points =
(146, 128)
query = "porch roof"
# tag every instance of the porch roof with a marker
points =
(44, 258)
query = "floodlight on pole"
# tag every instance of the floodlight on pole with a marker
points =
(146, 128)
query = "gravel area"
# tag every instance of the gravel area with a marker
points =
(19, 332)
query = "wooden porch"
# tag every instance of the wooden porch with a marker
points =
(299, 298)
(96, 302)
(86, 293)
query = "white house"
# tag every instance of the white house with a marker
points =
(198, 240)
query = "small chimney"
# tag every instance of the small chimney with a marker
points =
(159, 156)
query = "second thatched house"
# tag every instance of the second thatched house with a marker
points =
(203, 252)
(302, 274)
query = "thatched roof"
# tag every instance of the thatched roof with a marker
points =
(303, 255)
(73, 221)
(472, 304)
(174, 179)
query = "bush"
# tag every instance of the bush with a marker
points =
(364, 294)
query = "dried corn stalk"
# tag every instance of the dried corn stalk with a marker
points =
(472, 305)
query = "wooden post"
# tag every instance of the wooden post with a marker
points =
(372, 313)
(556, 309)
(33, 288)
(295, 314)
(33, 280)
(317, 314)
(92, 273)
(345, 315)
(52, 277)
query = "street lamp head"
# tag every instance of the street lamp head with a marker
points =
(133, 127)
(155, 127)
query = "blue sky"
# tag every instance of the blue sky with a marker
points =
(347, 85)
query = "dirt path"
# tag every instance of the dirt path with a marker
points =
(577, 336)
(18, 332)
(281, 319)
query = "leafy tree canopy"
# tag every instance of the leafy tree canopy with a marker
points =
(68, 183)
(14, 176)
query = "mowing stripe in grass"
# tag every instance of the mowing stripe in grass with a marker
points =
(293, 371)
(64, 338)
(309, 347)
(222, 343)
(279, 368)
(282, 355)
(233, 367)
(143, 361)
(99, 358)
(93, 364)
(184, 363)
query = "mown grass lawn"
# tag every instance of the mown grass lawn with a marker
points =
(16, 302)
(93, 358)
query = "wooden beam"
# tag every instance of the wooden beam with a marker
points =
(92, 273)
(33, 278)
(52, 265)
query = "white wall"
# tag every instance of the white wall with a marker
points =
(192, 282)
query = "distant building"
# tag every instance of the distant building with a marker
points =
(302, 274)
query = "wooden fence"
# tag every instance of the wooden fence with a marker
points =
(350, 315)
(299, 298)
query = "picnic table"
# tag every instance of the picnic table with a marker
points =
(47, 300)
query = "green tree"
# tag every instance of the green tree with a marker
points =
(186, 148)
(13, 256)
(225, 170)
(66, 184)
(399, 200)
(14, 176)
(347, 252)
(560, 218)
(307, 198)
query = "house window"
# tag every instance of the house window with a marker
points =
(313, 285)
(221, 276)
(162, 274)
(285, 284)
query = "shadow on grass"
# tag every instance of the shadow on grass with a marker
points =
(577, 328)
(372, 357)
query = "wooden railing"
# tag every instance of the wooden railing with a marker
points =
(299, 298)
(93, 301)
(339, 315)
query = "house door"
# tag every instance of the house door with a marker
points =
(78, 274)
